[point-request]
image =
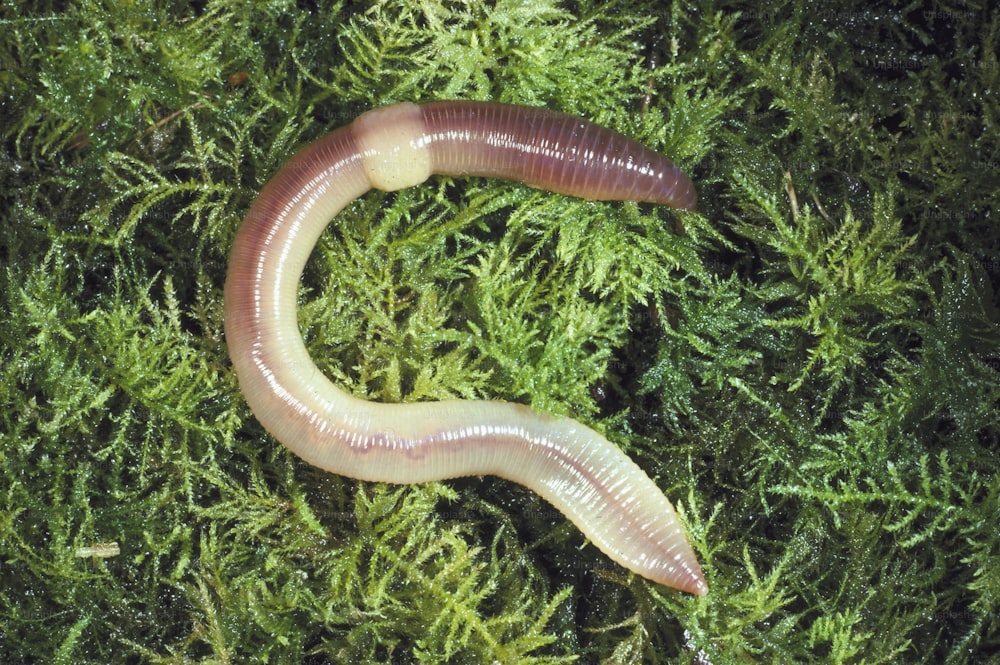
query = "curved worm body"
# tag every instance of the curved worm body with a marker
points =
(601, 490)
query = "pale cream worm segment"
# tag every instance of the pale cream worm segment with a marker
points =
(392, 141)
(611, 500)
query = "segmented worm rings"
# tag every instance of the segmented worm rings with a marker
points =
(611, 500)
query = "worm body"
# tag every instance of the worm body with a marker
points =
(601, 490)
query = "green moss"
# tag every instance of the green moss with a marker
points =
(808, 366)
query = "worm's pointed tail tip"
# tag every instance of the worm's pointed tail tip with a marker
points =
(692, 581)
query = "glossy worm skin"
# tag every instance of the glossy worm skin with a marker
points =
(601, 490)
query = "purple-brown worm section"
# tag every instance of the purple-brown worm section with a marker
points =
(593, 483)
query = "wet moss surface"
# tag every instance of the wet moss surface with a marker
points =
(808, 365)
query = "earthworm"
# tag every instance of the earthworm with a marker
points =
(603, 492)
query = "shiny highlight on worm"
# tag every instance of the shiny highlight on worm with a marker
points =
(593, 483)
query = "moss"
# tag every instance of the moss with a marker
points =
(808, 366)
